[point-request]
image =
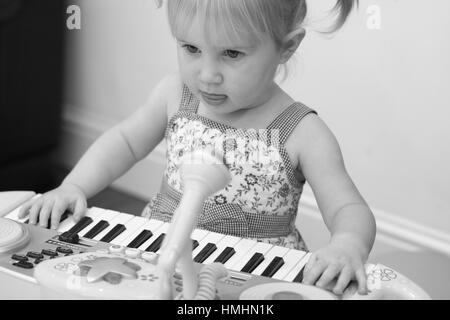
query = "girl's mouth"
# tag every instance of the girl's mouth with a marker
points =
(213, 99)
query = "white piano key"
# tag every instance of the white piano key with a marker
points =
(241, 248)
(291, 258)
(96, 214)
(14, 215)
(162, 229)
(260, 247)
(199, 234)
(227, 241)
(299, 266)
(275, 251)
(132, 225)
(68, 223)
(116, 218)
(150, 225)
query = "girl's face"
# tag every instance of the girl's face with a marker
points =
(227, 76)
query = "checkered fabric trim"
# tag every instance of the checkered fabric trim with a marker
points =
(285, 123)
(225, 218)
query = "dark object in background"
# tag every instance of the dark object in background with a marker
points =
(31, 88)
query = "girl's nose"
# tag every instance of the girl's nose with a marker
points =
(210, 73)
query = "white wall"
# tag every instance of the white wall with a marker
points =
(383, 92)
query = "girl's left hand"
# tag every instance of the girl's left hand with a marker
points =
(334, 266)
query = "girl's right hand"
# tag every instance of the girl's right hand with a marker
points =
(55, 202)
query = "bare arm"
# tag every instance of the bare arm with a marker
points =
(344, 211)
(110, 156)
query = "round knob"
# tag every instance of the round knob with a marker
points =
(116, 248)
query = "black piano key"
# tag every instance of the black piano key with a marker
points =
(254, 262)
(226, 254)
(205, 252)
(113, 233)
(99, 227)
(194, 244)
(299, 276)
(273, 267)
(80, 225)
(143, 236)
(156, 245)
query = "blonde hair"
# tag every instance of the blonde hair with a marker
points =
(251, 20)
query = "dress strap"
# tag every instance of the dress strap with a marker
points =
(188, 101)
(289, 119)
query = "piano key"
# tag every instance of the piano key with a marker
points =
(254, 261)
(156, 245)
(69, 223)
(143, 236)
(198, 235)
(99, 227)
(227, 241)
(113, 233)
(241, 248)
(132, 226)
(96, 214)
(291, 258)
(66, 224)
(211, 237)
(299, 277)
(269, 256)
(207, 250)
(163, 228)
(194, 244)
(260, 247)
(151, 225)
(80, 225)
(114, 218)
(225, 255)
(297, 268)
(14, 215)
(273, 266)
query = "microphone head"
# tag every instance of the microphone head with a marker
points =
(204, 171)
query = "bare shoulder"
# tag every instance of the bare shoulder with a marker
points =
(311, 140)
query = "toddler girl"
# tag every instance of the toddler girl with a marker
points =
(224, 98)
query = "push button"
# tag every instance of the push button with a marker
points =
(64, 250)
(49, 253)
(19, 257)
(24, 264)
(35, 255)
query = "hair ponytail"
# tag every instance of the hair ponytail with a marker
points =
(342, 8)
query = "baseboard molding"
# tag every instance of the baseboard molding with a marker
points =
(81, 128)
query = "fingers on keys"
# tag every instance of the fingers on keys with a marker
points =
(57, 211)
(79, 209)
(361, 278)
(334, 277)
(43, 210)
(24, 210)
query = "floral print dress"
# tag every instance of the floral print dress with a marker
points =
(261, 200)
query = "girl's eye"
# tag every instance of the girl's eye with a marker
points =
(190, 49)
(233, 54)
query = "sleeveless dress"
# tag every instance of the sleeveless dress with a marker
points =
(261, 200)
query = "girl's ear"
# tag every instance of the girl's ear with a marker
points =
(292, 45)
